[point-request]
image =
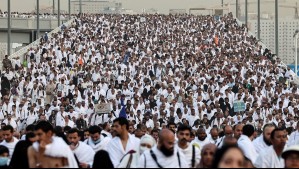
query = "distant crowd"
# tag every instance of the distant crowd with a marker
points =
(171, 84)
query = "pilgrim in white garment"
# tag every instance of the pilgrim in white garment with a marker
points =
(98, 145)
(116, 150)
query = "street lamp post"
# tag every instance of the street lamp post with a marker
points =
(276, 28)
(53, 7)
(237, 9)
(296, 51)
(58, 15)
(259, 19)
(69, 9)
(9, 29)
(246, 12)
(80, 6)
(37, 21)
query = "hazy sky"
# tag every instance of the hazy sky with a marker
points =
(162, 5)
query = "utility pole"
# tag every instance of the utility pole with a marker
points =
(37, 21)
(69, 9)
(276, 28)
(246, 12)
(222, 3)
(237, 9)
(9, 29)
(259, 19)
(80, 6)
(58, 13)
(53, 7)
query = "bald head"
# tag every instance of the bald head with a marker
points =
(166, 134)
(228, 130)
(166, 142)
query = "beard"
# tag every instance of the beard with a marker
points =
(166, 151)
(202, 138)
(267, 142)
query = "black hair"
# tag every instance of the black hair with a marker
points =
(44, 126)
(154, 131)
(102, 160)
(171, 123)
(248, 130)
(220, 154)
(276, 130)
(58, 129)
(184, 127)
(3, 150)
(94, 129)
(67, 128)
(30, 135)
(30, 127)
(8, 127)
(73, 130)
(122, 121)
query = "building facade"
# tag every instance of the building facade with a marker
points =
(287, 28)
(95, 6)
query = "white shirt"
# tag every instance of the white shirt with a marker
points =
(84, 153)
(247, 147)
(188, 152)
(269, 159)
(116, 150)
(147, 161)
(102, 145)
(200, 144)
(260, 144)
(11, 146)
(294, 137)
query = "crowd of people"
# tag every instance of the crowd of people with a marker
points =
(171, 83)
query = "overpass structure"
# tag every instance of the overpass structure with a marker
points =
(24, 30)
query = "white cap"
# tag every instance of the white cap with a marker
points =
(293, 149)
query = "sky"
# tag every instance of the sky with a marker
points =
(163, 6)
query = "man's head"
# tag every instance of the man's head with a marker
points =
(155, 134)
(44, 131)
(121, 126)
(201, 134)
(268, 128)
(95, 133)
(291, 157)
(166, 142)
(8, 133)
(228, 131)
(131, 129)
(238, 130)
(172, 126)
(248, 130)
(73, 136)
(86, 134)
(214, 133)
(278, 138)
(184, 134)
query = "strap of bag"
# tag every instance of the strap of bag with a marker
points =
(193, 156)
(155, 158)
(178, 154)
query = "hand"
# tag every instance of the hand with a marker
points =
(83, 165)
